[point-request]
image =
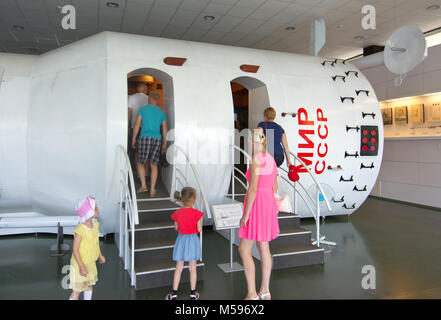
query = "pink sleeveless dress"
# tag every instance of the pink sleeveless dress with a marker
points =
(262, 224)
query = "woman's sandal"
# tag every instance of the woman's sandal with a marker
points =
(171, 296)
(194, 296)
(141, 190)
(262, 296)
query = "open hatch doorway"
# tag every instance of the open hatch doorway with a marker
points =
(162, 83)
(250, 98)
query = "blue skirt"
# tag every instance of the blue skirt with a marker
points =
(187, 247)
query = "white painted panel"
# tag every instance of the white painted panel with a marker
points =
(424, 195)
(380, 89)
(376, 74)
(14, 94)
(403, 172)
(433, 61)
(411, 86)
(430, 174)
(432, 81)
(401, 150)
(430, 151)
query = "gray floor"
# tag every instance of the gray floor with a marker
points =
(402, 242)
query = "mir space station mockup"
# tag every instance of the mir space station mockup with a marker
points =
(63, 114)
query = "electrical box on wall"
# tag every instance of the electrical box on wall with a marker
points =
(369, 141)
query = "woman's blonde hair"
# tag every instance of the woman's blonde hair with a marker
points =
(270, 113)
(258, 136)
(185, 195)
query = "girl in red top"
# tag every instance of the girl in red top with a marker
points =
(188, 223)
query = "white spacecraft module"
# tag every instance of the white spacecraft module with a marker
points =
(63, 114)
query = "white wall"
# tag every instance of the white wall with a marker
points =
(14, 89)
(411, 167)
(411, 172)
(425, 78)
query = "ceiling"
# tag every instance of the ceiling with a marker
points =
(247, 23)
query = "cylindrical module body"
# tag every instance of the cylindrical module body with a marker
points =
(76, 113)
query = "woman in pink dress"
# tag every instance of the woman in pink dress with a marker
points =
(259, 221)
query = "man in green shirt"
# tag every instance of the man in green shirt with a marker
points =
(149, 145)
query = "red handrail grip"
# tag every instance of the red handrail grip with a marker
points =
(174, 61)
(249, 68)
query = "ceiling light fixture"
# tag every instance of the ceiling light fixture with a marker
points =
(290, 28)
(112, 5)
(209, 18)
(433, 7)
(340, 26)
(18, 28)
(359, 37)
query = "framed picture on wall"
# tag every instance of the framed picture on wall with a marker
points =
(400, 115)
(416, 113)
(434, 112)
(387, 115)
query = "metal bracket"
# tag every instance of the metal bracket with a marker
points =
(346, 207)
(338, 167)
(338, 76)
(59, 249)
(346, 180)
(352, 128)
(347, 98)
(351, 155)
(292, 114)
(354, 72)
(338, 201)
(332, 63)
(360, 91)
(367, 167)
(356, 189)
(364, 114)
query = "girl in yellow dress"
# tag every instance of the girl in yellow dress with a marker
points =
(86, 250)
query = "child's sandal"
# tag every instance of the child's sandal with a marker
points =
(171, 296)
(194, 296)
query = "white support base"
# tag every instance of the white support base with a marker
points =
(228, 268)
(323, 241)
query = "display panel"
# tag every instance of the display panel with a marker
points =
(369, 141)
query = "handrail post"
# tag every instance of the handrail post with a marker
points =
(295, 194)
(318, 216)
(126, 235)
(132, 264)
(202, 227)
(121, 234)
(232, 172)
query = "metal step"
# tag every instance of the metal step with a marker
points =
(288, 219)
(154, 217)
(158, 234)
(292, 236)
(155, 206)
(156, 244)
(288, 255)
(155, 274)
(161, 192)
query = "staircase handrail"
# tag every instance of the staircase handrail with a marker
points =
(318, 189)
(314, 179)
(198, 180)
(130, 212)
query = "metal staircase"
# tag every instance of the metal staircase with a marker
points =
(147, 234)
(155, 237)
(293, 247)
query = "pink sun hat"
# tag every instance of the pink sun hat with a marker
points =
(85, 208)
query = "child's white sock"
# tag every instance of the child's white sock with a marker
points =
(87, 295)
